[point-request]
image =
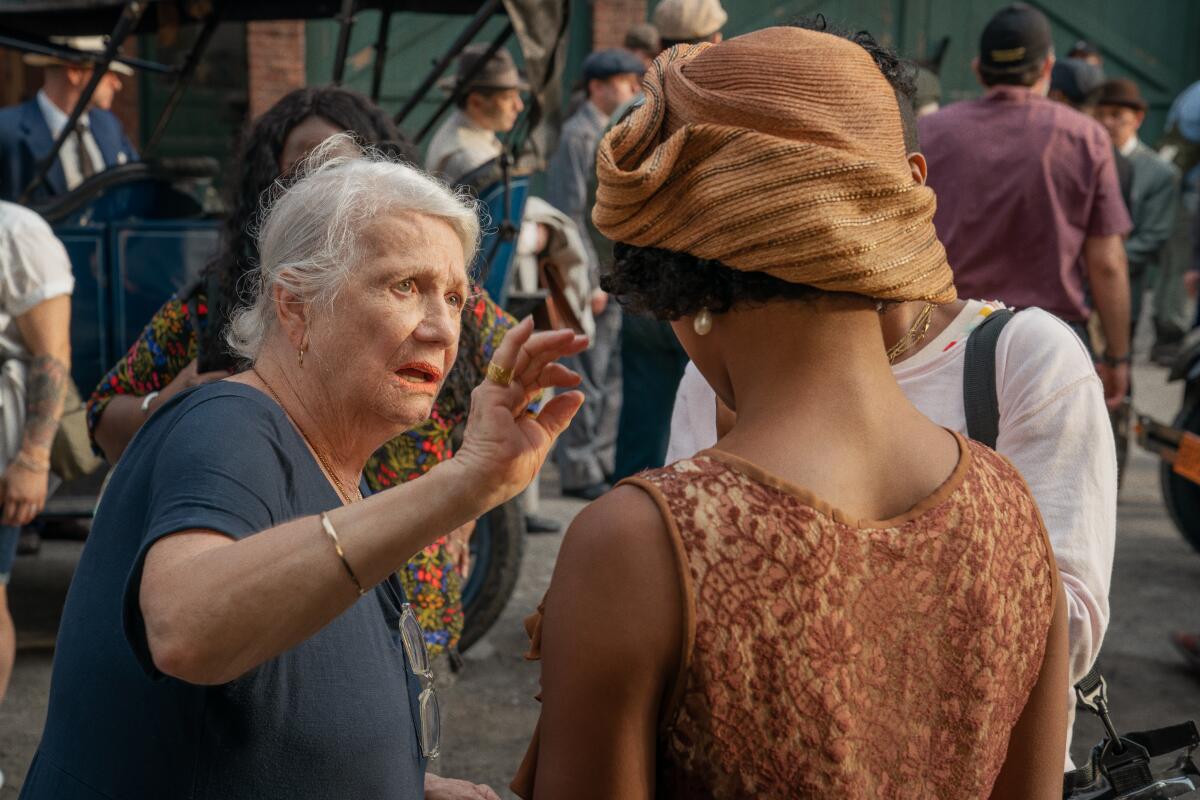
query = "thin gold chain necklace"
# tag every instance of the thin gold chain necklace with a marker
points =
(913, 336)
(347, 498)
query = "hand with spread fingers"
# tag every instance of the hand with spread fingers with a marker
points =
(504, 446)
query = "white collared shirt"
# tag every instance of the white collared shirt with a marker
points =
(1130, 145)
(56, 120)
(460, 146)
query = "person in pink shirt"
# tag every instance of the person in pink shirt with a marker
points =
(1029, 205)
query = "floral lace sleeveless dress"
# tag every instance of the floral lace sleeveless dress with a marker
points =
(831, 657)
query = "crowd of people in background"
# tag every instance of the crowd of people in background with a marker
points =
(752, 264)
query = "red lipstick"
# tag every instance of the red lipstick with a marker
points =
(422, 370)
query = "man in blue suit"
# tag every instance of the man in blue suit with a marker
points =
(27, 130)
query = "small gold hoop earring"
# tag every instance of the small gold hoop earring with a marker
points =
(300, 357)
(702, 323)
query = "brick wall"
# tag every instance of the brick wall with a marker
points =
(612, 18)
(275, 58)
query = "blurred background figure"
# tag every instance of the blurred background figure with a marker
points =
(644, 42)
(35, 354)
(1181, 146)
(652, 360)
(928, 97)
(1086, 51)
(587, 451)
(1029, 205)
(28, 130)
(1075, 82)
(689, 21)
(489, 105)
(1153, 199)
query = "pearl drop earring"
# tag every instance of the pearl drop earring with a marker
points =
(702, 323)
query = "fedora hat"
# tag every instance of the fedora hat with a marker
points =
(1122, 92)
(88, 44)
(498, 72)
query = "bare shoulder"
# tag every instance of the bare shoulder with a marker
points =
(617, 563)
(621, 537)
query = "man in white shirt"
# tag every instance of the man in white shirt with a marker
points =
(1053, 427)
(489, 104)
(28, 130)
(35, 364)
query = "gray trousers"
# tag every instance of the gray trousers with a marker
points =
(586, 451)
(1172, 314)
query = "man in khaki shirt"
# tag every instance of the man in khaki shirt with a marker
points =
(490, 104)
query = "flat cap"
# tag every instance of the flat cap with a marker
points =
(689, 20)
(614, 61)
(1077, 79)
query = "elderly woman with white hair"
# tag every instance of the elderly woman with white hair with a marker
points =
(234, 628)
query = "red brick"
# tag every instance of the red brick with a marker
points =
(275, 61)
(611, 19)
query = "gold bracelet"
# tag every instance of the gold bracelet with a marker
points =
(337, 545)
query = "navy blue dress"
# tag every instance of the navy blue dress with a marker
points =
(333, 717)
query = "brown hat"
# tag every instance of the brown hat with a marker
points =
(498, 72)
(805, 179)
(88, 44)
(689, 20)
(1122, 92)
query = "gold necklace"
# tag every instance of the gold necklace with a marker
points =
(346, 497)
(913, 336)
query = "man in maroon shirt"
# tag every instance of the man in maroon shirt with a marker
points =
(1029, 205)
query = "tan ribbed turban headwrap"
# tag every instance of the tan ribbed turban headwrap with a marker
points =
(780, 151)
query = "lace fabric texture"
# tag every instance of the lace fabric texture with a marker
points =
(828, 657)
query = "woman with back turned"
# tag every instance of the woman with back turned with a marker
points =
(840, 598)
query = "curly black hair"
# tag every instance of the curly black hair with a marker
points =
(253, 173)
(668, 285)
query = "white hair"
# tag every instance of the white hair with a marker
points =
(308, 237)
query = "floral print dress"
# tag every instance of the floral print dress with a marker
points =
(168, 344)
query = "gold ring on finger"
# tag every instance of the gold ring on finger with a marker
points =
(499, 374)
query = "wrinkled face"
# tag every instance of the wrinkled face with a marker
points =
(496, 111)
(391, 336)
(1120, 122)
(303, 139)
(610, 94)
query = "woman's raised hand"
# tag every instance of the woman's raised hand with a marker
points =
(504, 445)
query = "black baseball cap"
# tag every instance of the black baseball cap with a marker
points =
(1076, 79)
(1016, 38)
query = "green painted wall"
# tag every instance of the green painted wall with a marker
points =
(415, 42)
(210, 116)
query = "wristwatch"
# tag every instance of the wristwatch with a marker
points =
(147, 400)
(1111, 361)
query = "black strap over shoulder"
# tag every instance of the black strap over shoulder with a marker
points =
(979, 379)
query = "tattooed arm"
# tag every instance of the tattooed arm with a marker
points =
(46, 331)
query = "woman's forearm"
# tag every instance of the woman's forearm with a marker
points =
(116, 427)
(215, 608)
